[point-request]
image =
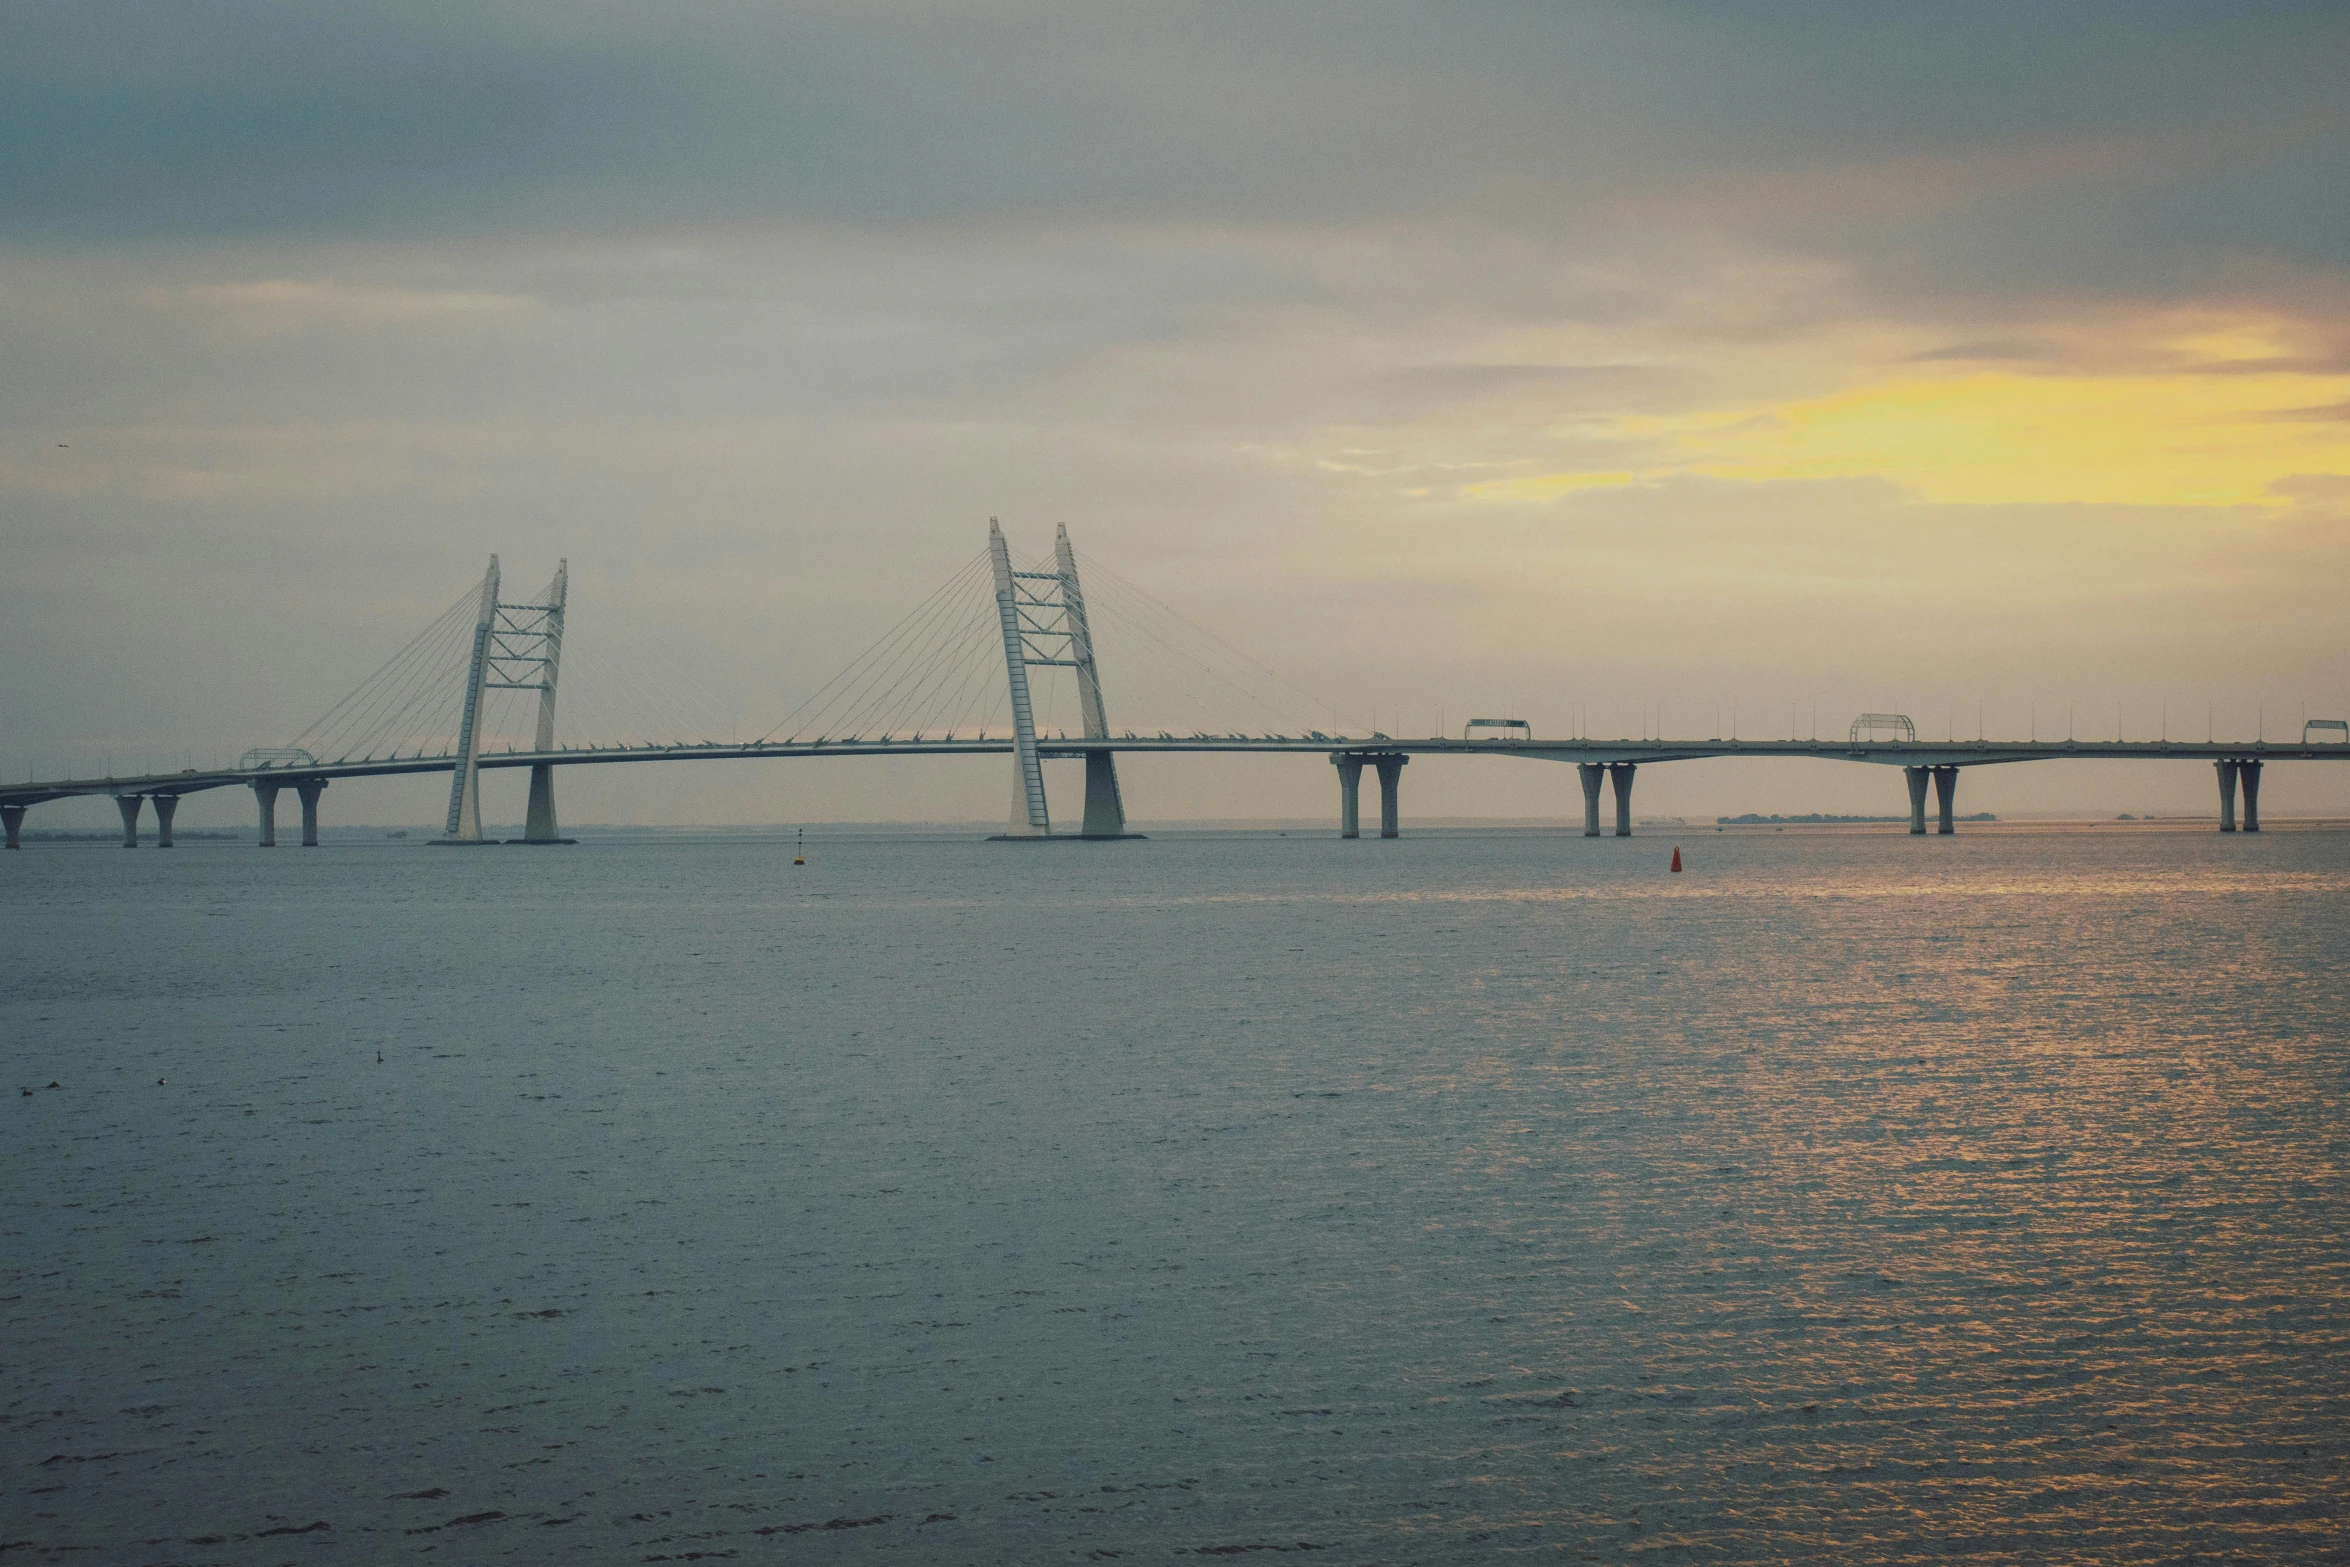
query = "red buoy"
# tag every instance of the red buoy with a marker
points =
(1676, 856)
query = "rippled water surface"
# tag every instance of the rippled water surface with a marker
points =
(1846, 1198)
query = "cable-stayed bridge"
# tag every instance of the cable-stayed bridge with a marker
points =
(974, 669)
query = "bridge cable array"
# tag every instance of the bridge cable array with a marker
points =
(620, 692)
(410, 703)
(924, 677)
(1145, 644)
(938, 673)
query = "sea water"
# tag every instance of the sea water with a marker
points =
(1846, 1197)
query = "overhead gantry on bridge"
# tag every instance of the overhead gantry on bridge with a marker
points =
(1036, 619)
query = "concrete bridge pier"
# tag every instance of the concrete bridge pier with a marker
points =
(166, 806)
(1390, 780)
(1916, 777)
(1946, 797)
(2227, 794)
(265, 796)
(12, 818)
(1105, 808)
(2249, 772)
(1591, 773)
(129, 805)
(1350, 795)
(1620, 774)
(538, 823)
(310, 789)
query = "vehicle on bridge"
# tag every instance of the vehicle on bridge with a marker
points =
(1879, 726)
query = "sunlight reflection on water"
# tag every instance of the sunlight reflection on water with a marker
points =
(1845, 1198)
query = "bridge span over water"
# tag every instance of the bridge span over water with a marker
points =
(1039, 621)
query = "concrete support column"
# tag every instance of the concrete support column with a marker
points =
(1946, 796)
(1916, 778)
(2227, 795)
(129, 805)
(1620, 774)
(265, 796)
(538, 825)
(2250, 773)
(1350, 795)
(310, 789)
(1390, 779)
(1105, 808)
(166, 806)
(12, 817)
(1591, 773)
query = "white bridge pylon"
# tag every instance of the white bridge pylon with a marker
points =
(1043, 618)
(516, 647)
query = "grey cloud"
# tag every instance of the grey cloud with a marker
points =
(2012, 350)
(1515, 394)
(273, 117)
(2331, 413)
(2315, 490)
(2272, 364)
(1606, 379)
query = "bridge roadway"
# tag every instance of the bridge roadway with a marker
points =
(1612, 761)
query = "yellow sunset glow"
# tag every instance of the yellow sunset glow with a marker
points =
(2201, 440)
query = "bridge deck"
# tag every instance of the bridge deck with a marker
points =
(1896, 753)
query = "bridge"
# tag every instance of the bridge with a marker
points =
(925, 689)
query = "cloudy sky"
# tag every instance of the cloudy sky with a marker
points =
(1613, 364)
